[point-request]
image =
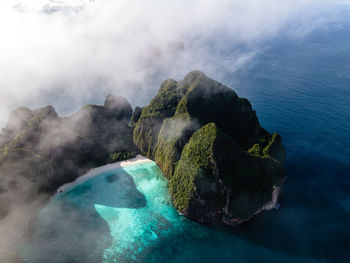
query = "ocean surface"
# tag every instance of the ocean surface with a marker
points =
(299, 87)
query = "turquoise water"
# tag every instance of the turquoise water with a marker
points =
(136, 231)
(120, 215)
(299, 87)
(126, 215)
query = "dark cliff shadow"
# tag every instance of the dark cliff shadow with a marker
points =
(69, 229)
(311, 222)
(309, 225)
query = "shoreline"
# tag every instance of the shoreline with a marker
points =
(95, 171)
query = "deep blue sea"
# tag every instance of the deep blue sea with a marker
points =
(300, 87)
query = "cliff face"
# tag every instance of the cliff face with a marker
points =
(222, 166)
(39, 151)
(149, 122)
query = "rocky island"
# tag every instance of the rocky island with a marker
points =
(222, 166)
(39, 151)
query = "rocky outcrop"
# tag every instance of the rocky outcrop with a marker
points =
(135, 116)
(222, 166)
(162, 106)
(120, 106)
(20, 117)
(40, 151)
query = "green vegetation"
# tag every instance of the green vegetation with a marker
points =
(208, 142)
(7, 150)
(162, 106)
(120, 156)
(256, 150)
(171, 140)
(274, 148)
(135, 116)
(47, 151)
(221, 164)
(211, 157)
(194, 168)
(164, 103)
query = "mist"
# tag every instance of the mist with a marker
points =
(71, 53)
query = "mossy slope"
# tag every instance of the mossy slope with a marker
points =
(162, 106)
(39, 151)
(221, 164)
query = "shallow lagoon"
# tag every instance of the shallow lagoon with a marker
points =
(126, 215)
(299, 87)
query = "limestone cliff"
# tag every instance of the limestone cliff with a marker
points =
(222, 166)
(39, 151)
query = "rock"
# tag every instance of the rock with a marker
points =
(216, 182)
(47, 112)
(162, 106)
(135, 116)
(120, 106)
(18, 119)
(22, 118)
(221, 164)
(49, 151)
(40, 151)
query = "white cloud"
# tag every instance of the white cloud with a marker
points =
(91, 48)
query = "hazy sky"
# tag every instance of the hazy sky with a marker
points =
(87, 49)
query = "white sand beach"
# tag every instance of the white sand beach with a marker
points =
(93, 172)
